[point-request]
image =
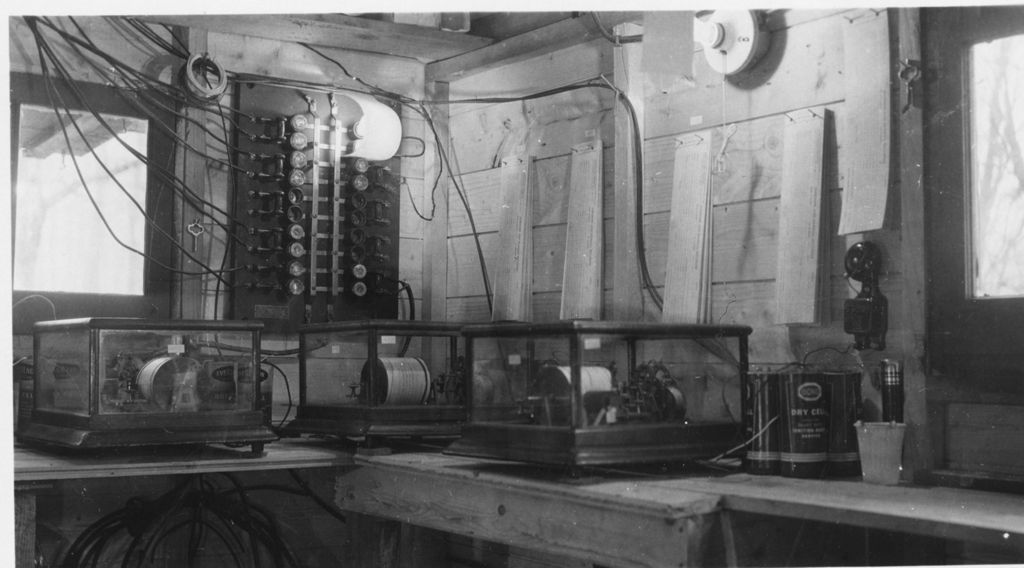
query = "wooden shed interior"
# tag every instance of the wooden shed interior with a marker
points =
(614, 166)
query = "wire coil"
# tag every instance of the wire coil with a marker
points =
(398, 381)
(196, 74)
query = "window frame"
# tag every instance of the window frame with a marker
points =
(155, 302)
(967, 337)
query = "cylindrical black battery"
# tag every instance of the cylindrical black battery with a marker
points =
(761, 422)
(844, 411)
(891, 382)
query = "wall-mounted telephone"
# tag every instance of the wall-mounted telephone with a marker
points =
(866, 316)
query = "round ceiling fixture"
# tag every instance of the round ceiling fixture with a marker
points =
(733, 40)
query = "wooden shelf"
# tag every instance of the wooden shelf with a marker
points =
(955, 514)
(31, 465)
(637, 520)
(336, 30)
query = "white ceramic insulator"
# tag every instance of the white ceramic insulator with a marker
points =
(733, 40)
(376, 131)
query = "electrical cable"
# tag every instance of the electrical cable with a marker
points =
(53, 308)
(616, 39)
(141, 93)
(287, 388)
(88, 44)
(228, 245)
(172, 132)
(460, 191)
(51, 91)
(412, 201)
(177, 184)
(645, 274)
(155, 38)
(143, 527)
(330, 508)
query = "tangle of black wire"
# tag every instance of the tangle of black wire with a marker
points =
(54, 95)
(50, 57)
(142, 528)
(142, 91)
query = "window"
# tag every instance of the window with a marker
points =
(61, 231)
(71, 242)
(974, 176)
(996, 138)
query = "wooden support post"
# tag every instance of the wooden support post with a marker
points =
(912, 227)
(728, 539)
(372, 541)
(190, 167)
(435, 233)
(24, 529)
(626, 294)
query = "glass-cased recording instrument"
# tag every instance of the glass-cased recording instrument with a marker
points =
(372, 379)
(579, 393)
(121, 382)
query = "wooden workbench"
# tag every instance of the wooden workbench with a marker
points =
(38, 470)
(614, 519)
(643, 521)
(33, 465)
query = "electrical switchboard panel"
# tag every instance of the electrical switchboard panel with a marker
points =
(319, 223)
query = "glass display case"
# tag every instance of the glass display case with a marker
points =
(118, 382)
(578, 393)
(373, 379)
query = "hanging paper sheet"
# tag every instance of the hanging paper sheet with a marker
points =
(798, 280)
(514, 271)
(868, 122)
(688, 268)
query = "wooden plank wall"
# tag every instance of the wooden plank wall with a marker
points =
(803, 70)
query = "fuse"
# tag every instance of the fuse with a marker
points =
(295, 231)
(359, 165)
(295, 214)
(295, 268)
(359, 289)
(295, 196)
(359, 182)
(297, 159)
(299, 122)
(295, 287)
(358, 201)
(296, 250)
(296, 178)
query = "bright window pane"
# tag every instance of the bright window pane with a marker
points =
(997, 168)
(60, 242)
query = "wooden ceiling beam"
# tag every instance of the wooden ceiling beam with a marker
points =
(503, 25)
(535, 43)
(336, 30)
